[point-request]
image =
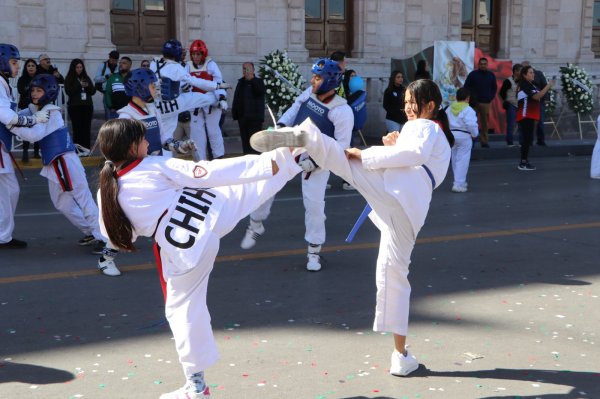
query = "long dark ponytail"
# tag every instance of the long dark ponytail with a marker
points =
(425, 90)
(116, 138)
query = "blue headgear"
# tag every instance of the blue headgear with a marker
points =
(330, 72)
(47, 83)
(137, 83)
(355, 84)
(173, 48)
(7, 52)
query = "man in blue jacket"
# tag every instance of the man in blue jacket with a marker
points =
(482, 85)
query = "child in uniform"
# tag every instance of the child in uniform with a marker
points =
(397, 180)
(67, 182)
(463, 124)
(170, 199)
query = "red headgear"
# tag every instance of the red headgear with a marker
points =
(199, 47)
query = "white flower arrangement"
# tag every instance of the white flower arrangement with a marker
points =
(282, 80)
(577, 88)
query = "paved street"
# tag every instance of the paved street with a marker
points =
(504, 305)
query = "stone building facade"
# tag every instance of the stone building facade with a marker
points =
(549, 33)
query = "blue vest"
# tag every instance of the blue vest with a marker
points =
(55, 144)
(317, 112)
(152, 134)
(359, 109)
(5, 134)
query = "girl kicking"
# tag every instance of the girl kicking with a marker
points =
(397, 181)
(171, 200)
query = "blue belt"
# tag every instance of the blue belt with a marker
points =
(368, 209)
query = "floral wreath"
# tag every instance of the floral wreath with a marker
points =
(577, 88)
(283, 82)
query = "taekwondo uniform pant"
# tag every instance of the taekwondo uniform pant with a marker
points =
(313, 198)
(9, 196)
(461, 156)
(205, 128)
(185, 307)
(77, 205)
(595, 166)
(397, 236)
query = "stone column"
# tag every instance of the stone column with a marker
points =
(296, 30)
(99, 42)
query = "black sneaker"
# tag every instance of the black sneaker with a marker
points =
(98, 247)
(14, 244)
(526, 166)
(87, 240)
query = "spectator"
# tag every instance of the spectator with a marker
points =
(482, 85)
(393, 102)
(340, 58)
(463, 124)
(348, 74)
(103, 72)
(422, 71)
(248, 106)
(508, 93)
(528, 112)
(29, 71)
(539, 80)
(80, 89)
(115, 97)
(45, 66)
(145, 64)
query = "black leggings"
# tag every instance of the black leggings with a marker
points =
(526, 129)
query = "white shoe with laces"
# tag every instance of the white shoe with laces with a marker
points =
(314, 259)
(108, 267)
(187, 392)
(403, 365)
(254, 230)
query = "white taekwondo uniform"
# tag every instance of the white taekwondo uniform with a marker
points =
(463, 124)
(398, 188)
(67, 182)
(188, 207)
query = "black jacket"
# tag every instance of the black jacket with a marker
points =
(249, 100)
(393, 103)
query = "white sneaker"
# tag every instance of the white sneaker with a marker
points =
(254, 230)
(187, 392)
(347, 186)
(403, 365)
(459, 189)
(314, 259)
(267, 140)
(314, 263)
(108, 267)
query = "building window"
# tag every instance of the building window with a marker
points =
(596, 29)
(480, 24)
(141, 26)
(328, 26)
